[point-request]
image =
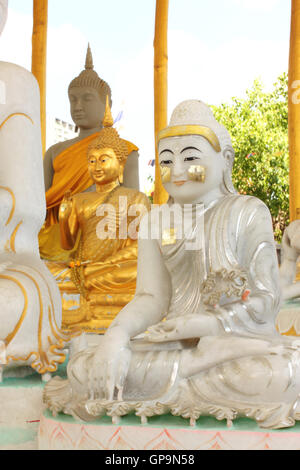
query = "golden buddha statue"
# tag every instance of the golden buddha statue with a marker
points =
(104, 264)
(65, 162)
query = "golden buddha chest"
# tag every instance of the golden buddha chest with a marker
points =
(101, 223)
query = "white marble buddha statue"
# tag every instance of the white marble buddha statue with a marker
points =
(290, 257)
(30, 303)
(3, 14)
(199, 336)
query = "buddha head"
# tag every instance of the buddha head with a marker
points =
(87, 95)
(107, 154)
(195, 153)
(3, 14)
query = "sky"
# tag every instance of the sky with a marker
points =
(216, 50)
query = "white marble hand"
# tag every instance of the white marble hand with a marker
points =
(164, 331)
(110, 365)
(189, 326)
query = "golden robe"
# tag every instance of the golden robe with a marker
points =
(101, 278)
(70, 173)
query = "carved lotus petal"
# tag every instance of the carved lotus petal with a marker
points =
(95, 408)
(151, 409)
(297, 322)
(119, 408)
(60, 440)
(285, 320)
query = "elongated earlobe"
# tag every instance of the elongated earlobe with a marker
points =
(121, 174)
(228, 155)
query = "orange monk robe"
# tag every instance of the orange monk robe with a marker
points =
(70, 173)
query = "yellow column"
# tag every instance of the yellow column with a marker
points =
(294, 111)
(39, 56)
(160, 87)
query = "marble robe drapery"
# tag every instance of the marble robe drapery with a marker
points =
(70, 173)
(231, 377)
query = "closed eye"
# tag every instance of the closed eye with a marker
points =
(166, 162)
(190, 159)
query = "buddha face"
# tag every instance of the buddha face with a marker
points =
(87, 108)
(103, 165)
(192, 167)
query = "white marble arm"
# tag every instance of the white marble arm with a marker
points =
(247, 236)
(256, 253)
(112, 357)
(153, 292)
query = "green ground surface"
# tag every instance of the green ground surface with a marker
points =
(17, 436)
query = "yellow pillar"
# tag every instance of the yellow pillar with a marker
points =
(39, 56)
(294, 111)
(160, 87)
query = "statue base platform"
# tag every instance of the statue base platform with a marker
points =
(288, 319)
(21, 398)
(20, 411)
(161, 433)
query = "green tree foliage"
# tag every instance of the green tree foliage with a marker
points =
(258, 125)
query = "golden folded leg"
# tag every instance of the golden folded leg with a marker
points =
(50, 247)
(105, 290)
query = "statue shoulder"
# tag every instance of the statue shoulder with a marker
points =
(245, 202)
(292, 235)
(53, 151)
(242, 211)
(141, 198)
(257, 206)
(293, 227)
(59, 147)
(79, 197)
(135, 196)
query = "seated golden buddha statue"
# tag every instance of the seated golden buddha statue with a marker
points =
(104, 264)
(65, 162)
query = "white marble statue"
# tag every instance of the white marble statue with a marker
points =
(290, 256)
(3, 14)
(199, 336)
(30, 303)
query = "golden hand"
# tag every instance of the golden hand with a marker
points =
(65, 207)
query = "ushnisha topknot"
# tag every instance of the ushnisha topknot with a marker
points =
(89, 78)
(109, 137)
(195, 117)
